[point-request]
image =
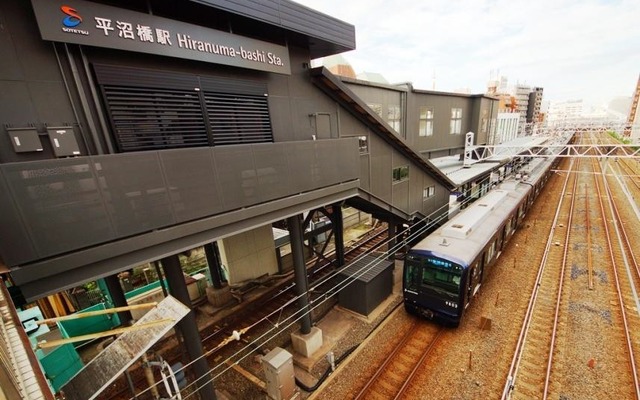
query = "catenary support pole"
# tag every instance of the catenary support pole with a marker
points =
(211, 251)
(302, 284)
(391, 231)
(188, 326)
(338, 229)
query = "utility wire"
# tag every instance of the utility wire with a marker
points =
(440, 215)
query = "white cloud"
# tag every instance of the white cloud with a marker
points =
(574, 49)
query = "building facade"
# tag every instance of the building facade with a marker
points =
(134, 132)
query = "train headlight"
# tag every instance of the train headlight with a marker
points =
(451, 304)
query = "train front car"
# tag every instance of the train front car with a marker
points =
(432, 286)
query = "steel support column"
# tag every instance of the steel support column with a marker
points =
(391, 229)
(338, 229)
(300, 271)
(213, 260)
(118, 298)
(188, 326)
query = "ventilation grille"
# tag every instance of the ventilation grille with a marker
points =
(154, 110)
(153, 119)
(238, 119)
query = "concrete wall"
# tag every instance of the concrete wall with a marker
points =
(249, 255)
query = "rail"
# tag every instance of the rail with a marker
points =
(620, 230)
(414, 338)
(524, 330)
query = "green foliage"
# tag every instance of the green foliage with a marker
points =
(619, 138)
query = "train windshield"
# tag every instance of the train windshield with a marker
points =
(432, 273)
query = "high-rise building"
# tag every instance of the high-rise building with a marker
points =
(534, 106)
(561, 112)
(521, 93)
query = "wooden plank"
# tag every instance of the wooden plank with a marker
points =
(55, 343)
(97, 312)
(107, 366)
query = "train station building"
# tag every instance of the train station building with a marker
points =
(133, 132)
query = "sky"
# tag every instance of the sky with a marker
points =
(574, 49)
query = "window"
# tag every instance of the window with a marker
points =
(377, 108)
(393, 114)
(428, 192)
(485, 122)
(426, 122)
(456, 121)
(363, 144)
(400, 174)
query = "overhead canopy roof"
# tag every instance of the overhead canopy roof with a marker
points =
(452, 166)
(326, 35)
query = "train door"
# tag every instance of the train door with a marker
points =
(473, 282)
(469, 286)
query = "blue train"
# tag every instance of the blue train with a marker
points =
(443, 272)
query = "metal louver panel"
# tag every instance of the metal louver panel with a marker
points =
(238, 119)
(153, 119)
(154, 110)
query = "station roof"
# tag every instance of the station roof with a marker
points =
(325, 35)
(452, 166)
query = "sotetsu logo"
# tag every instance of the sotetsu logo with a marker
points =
(72, 18)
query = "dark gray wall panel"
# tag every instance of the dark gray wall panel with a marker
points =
(365, 182)
(15, 235)
(272, 171)
(280, 111)
(400, 190)
(381, 169)
(401, 194)
(70, 204)
(16, 107)
(235, 168)
(301, 109)
(135, 192)
(10, 67)
(51, 102)
(193, 187)
(35, 56)
(60, 204)
(303, 165)
(326, 150)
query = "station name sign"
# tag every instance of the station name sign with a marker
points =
(91, 24)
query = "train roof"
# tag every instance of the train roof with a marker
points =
(465, 235)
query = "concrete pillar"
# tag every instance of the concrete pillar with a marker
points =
(300, 272)
(213, 260)
(188, 326)
(338, 231)
(118, 298)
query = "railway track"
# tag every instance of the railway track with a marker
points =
(261, 314)
(626, 273)
(549, 357)
(530, 368)
(394, 377)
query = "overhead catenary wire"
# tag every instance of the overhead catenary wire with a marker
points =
(299, 314)
(236, 334)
